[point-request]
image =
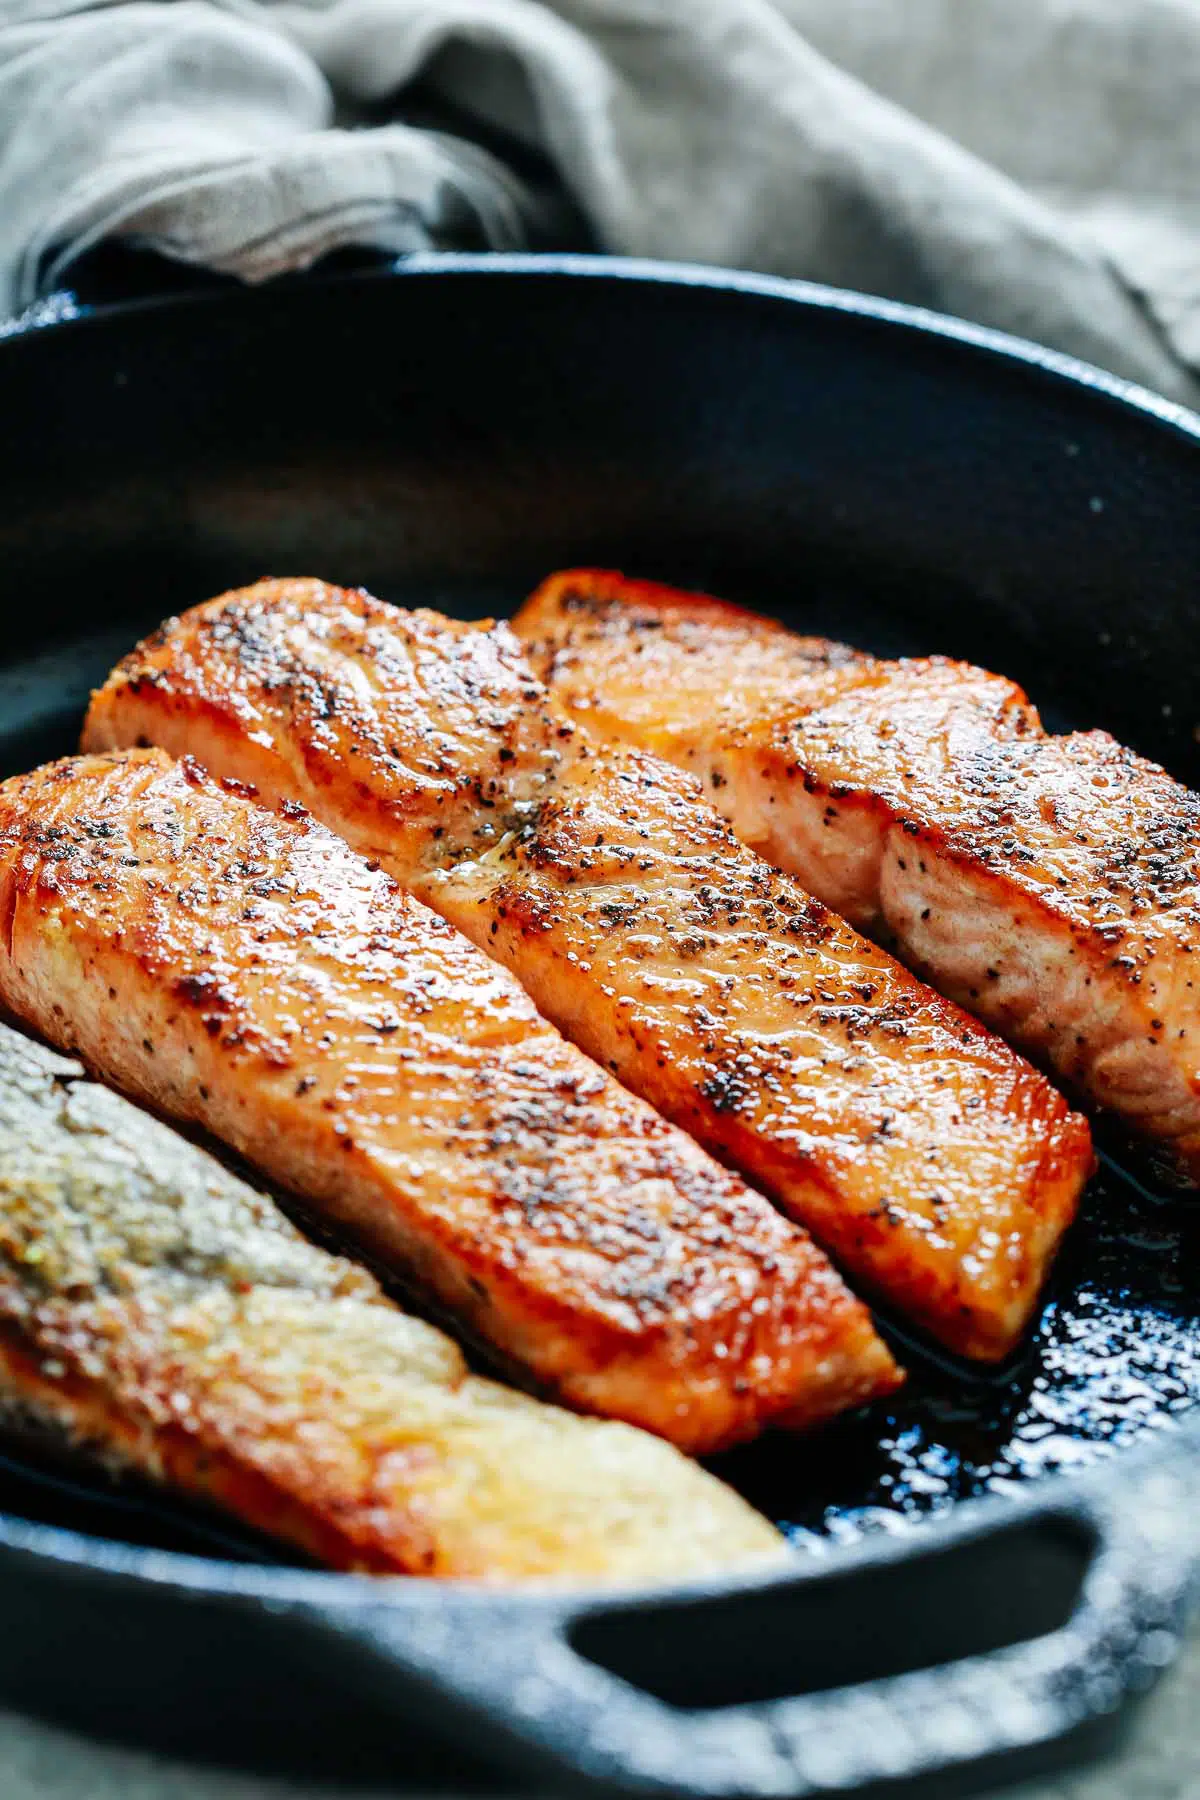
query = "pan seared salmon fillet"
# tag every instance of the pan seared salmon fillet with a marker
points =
(171, 1321)
(935, 1166)
(246, 972)
(1049, 884)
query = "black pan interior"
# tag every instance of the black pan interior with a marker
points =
(446, 438)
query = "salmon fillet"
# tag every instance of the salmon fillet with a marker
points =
(1049, 884)
(935, 1166)
(247, 972)
(170, 1321)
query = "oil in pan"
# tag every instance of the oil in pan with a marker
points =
(1116, 1354)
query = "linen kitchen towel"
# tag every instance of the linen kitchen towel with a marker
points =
(1029, 164)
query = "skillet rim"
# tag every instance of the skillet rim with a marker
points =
(644, 271)
(1067, 1494)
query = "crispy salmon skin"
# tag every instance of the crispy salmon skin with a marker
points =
(246, 972)
(171, 1321)
(1049, 884)
(933, 1164)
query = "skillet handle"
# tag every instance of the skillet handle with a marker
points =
(999, 1639)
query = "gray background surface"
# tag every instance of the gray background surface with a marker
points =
(1160, 1760)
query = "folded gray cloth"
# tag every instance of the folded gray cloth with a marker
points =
(1031, 164)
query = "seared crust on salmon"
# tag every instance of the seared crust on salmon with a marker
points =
(935, 1166)
(171, 1321)
(1050, 884)
(245, 971)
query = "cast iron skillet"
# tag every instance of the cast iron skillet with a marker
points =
(966, 1587)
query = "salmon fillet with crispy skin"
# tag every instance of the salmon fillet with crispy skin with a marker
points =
(1049, 884)
(246, 972)
(172, 1322)
(933, 1164)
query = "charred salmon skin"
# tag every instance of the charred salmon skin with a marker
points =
(246, 972)
(936, 1167)
(1051, 885)
(169, 1320)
